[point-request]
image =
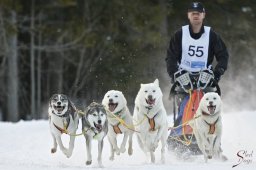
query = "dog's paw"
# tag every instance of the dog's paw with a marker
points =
(153, 159)
(65, 151)
(88, 162)
(117, 151)
(223, 158)
(53, 150)
(68, 153)
(156, 143)
(100, 165)
(154, 146)
(205, 158)
(111, 158)
(122, 149)
(130, 151)
(163, 160)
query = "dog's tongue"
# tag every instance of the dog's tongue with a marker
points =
(112, 107)
(98, 127)
(150, 101)
(211, 109)
(59, 108)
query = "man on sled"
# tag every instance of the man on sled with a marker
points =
(189, 64)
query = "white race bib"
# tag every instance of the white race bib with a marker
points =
(194, 52)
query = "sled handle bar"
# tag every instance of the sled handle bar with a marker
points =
(173, 92)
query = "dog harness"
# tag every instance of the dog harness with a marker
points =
(211, 126)
(116, 129)
(151, 122)
(65, 125)
(60, 129)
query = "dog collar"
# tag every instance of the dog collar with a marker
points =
(119, 112)
(206, 114)
(65, 115)
(212, 126)
(149, 107)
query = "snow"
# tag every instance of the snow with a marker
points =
(26, 145)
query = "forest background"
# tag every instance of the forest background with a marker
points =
(83, 48)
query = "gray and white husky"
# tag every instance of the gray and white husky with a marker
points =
(63, 118)
(94, 126)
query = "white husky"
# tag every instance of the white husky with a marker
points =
(150, 115)
(208, 127)
(116, 104)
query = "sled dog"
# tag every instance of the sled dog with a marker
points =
(94, 126)
(116, 105)
(63, 118)
(208, 126)
(150, 115)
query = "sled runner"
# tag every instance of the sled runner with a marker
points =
(186, 93)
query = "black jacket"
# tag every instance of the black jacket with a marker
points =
(217, 48)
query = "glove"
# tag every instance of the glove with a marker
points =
(218, 72)
(172, 80)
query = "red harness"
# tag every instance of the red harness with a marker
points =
(151, 122)
(116, 129)
(211, 126)
(60, 129)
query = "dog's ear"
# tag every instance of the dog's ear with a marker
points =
(55, 94)
(156, 82)
(86, 110)
(105, 109)
(50, 101)
(71, 106)
(125, 101)
(104, 99)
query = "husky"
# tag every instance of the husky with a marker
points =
(150, 115)
(94, 126)
(63, 118)
(116, 105)
(208, 126)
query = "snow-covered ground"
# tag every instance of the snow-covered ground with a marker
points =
(26, 145)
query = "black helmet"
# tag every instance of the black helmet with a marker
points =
(196, 6)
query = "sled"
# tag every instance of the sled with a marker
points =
(186, 94)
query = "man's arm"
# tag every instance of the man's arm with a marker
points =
(174, 53)
(222, 56)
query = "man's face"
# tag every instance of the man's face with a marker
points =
(196, 18)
